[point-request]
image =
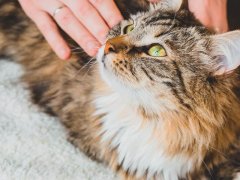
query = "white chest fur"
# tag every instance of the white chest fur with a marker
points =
(139, 150)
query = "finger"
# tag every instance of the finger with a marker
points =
(213, 14)
(90, 18)
(51, 33)
(219, 16)
(108, 10)
(48, 29)
(69, 23)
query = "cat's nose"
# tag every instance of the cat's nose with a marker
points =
(109, 48)
(117, 44)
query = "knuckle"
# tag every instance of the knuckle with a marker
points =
(97, 2)
(101, 34)
(83, 41)
(114, 21)
(48, 31)
(91, 52)
(55, 42)
(64, 17)
(45, 27)
(84, 10)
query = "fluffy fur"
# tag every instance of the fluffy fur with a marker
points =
(146, 117)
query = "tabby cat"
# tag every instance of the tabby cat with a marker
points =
(157, 103)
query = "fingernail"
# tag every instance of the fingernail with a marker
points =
(103, 40)
(64, 53)
(115, 21)
(92, 46)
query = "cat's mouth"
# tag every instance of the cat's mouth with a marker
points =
(102, 58)
(115, 66)
(113, 62)
(100, 55)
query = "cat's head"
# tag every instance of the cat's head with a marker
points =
(167, 57)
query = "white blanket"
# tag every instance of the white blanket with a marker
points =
(33, 145)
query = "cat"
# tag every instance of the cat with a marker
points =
(156, 103)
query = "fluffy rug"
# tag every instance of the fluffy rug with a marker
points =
(32, 144)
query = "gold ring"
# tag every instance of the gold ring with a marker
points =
(57, 10)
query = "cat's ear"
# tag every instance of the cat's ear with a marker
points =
(172, 5)
(226, 49)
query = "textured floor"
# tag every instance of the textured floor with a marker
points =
(32, 144)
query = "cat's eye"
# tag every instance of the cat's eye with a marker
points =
(157, 51)
(128, 29)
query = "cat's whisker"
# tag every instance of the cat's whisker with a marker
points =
(77, 53)
(224, 155)
(85, 65)
(209, 171)
(72, 45)
(90, 66)
(76, 48)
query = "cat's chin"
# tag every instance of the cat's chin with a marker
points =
(109, 74)
(100, 54)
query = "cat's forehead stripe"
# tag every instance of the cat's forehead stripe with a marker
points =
(158, 19)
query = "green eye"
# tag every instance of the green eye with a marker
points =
(157, 51)
(128, 28)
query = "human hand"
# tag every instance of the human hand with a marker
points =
(85, 21)
(212, 13)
